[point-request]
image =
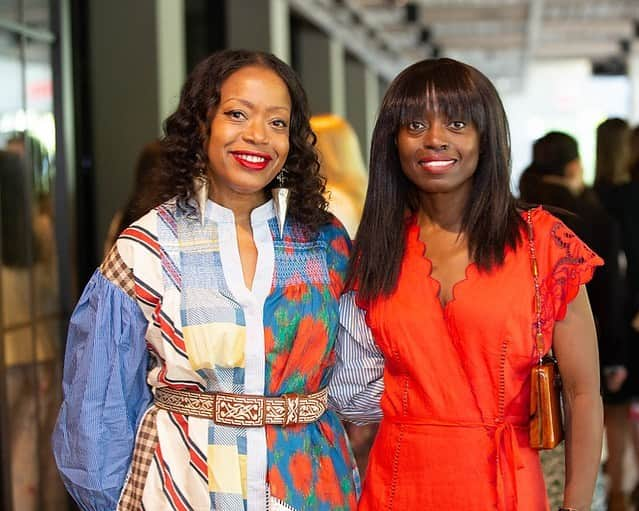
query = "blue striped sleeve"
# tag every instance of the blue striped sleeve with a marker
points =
(357, 382)
(104, 394)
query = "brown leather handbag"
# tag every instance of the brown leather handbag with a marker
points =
(546, 421)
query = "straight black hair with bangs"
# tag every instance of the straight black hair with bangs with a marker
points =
(491, 221)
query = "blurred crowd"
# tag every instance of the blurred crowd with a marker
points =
(606, 215)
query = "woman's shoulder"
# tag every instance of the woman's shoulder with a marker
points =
(334, 227)
(327, 232)
(330, 238)
(544, 222)
(141, 241)
(166, 213)
(335, 234)
(539, 214)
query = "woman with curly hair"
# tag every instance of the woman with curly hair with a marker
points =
(199, 353)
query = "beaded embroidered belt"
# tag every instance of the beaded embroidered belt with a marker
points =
(242, 409)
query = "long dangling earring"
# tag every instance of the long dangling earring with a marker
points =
(201, 187)
(280, 198)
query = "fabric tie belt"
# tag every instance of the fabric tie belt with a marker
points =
(242, 409)
(505, 438)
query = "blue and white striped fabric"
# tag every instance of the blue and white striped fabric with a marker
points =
(102, 346)
(357, 383)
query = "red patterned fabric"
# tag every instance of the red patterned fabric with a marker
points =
(456, 400)
(310, 467)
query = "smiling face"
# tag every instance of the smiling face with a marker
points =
(438, 154)
(249, 135)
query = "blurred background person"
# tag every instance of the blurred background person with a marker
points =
(617, 180)
(629, 218)
(613, 152)
(611, 185)
(148, 191)
(342, 165)
(555, 178)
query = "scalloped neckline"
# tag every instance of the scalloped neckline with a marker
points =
(420, 252)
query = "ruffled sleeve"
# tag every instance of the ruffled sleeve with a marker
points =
(566, 263)
(104, 394)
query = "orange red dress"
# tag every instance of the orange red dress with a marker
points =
(454, 433)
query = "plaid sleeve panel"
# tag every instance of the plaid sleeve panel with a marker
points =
(115, 269)
(131, 498)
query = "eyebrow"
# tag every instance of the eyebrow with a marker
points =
(248, 104)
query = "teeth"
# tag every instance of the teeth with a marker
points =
(438, 163)
(252, 158)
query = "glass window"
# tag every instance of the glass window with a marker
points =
(31, 327)
(49, 396)
(36, 13)
(22, 413)
(9, 10)
(15, 245)
(39, 142)
(33, 371)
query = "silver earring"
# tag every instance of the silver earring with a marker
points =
(201, 187)
(280, 199)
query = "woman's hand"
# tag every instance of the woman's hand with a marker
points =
(614, 377)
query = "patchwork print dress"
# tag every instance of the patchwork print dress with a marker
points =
(169, 307)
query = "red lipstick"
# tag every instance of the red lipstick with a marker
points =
(251, 159)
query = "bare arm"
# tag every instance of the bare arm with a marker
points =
(575, 346)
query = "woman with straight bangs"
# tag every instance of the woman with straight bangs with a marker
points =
(438, 325)
(199, 354)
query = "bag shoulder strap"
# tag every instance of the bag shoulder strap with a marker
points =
(539, 336)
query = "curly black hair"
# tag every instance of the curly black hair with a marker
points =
(187, 132)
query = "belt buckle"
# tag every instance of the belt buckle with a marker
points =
(291, 409)
(239, 410)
